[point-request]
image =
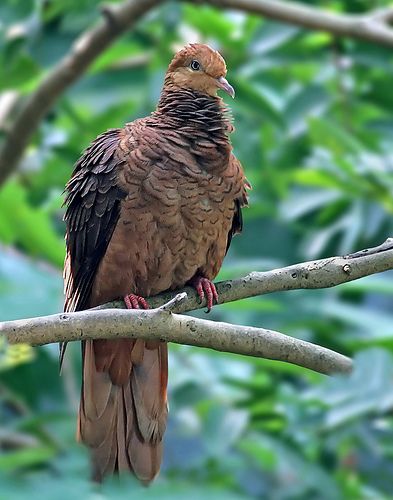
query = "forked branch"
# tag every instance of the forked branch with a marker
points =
(162, 324)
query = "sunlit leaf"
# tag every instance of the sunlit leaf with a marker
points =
(13, 355)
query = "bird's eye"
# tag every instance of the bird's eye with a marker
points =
(195, 66)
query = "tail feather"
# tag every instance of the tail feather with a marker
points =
(146, 392)
(104, 456)
(123, 423)
(96, 394)
(145, 458)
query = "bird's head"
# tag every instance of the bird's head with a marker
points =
(198, 67)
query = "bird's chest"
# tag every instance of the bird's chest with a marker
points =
(176, 217)
(181, 185)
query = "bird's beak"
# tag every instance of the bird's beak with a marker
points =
(222, 83)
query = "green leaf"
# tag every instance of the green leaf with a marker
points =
(28, 226)
(26, 457)
(15, 72)
(333, 137)
(271, 36)
(308, 102)
(13, 355)
(257, 100)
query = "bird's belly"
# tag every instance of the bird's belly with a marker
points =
(162, 247)
(206, 227)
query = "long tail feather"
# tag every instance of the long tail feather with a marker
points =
(123, 409)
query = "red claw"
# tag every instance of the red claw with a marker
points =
(133, 301)
(205, 288)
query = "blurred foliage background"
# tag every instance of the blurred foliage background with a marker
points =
(314, 127)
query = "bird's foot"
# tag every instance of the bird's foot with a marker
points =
(205, 289)
(133, 301)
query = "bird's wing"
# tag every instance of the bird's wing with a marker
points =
(241, 200)
(93, 207)
(123, 409)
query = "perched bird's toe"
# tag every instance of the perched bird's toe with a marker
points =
(205, 289)
(133, 301)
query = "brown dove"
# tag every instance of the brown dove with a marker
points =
(149, 207)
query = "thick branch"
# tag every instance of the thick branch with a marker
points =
(160, 324)
(372, 26)
(117, 19)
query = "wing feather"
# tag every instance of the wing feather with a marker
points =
(240, 201)
(92, 210)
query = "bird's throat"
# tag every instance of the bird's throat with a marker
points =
(192, 109)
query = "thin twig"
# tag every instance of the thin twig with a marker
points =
(323, 273)
(171, 304)
(12, 439)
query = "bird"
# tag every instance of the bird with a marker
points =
(150, 207)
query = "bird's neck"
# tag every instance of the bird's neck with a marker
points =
(184, 108)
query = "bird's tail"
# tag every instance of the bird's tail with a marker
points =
(123, 409)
